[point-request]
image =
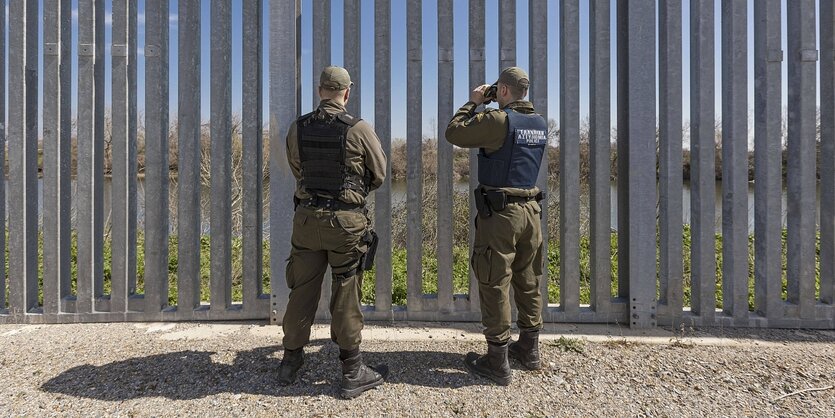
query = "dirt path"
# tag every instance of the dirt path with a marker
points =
(229, 370)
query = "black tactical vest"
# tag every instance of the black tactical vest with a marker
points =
(322, 140)
(516, 163)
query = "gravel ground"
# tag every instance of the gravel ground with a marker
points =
(229, 370)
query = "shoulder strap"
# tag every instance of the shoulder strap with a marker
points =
(348, 119)
(303, 118)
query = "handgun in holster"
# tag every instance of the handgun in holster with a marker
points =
(481, 203)
(367, 261)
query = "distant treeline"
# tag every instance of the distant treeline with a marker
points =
(461, 166)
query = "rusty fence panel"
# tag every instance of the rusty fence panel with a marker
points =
(652, 287)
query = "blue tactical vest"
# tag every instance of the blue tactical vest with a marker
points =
(516, 163)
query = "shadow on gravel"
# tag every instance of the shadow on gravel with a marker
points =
(195, 374)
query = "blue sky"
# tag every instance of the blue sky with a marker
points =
(398, 76)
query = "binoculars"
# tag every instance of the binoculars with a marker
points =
(490, 93)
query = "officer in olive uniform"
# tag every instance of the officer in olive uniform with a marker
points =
(337, 160)
(508, 239)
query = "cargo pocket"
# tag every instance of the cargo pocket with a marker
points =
(481, 263)
(537, 262)
(353, 223)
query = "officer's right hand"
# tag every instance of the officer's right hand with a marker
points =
(477, 95)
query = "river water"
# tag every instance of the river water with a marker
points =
(399, 196)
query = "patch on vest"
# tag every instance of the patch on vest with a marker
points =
(530, 137)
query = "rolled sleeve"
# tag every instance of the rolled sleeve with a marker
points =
(468, 129)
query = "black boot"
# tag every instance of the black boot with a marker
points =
(290, 365)
(493, 365)
(356, 376)
(526, 350)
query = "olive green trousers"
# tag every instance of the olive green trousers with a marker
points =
(323, 238)
(508, 252)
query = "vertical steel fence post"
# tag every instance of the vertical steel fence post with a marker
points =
(570, 158)
(285, 104)
(188, 147)
(221, 134)
(735, 159)
(414, 153)
(352, 52)
(23, 156)
(382, 125)
(133, 123)
(671, 266)
(538, 47)
(123, 188)
(446, 70)
(622, 148)
(3, 158)
(702, 154)
(56, 156)
(253, 154)
(476, 77)
(768, 180)
(827, 159)
(156, 157)
(642, 180)
(800, 173)
(90, 177)
(640, 131)
(600, 138)
(321, 44)
(507, 34)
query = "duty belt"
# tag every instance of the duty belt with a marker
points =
(524, 199)
(317, 202)
(520, 199)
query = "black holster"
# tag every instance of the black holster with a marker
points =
(367, 260)
(497, 200)
(481, 203)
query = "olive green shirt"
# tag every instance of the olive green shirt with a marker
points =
(486, 129)
(363, 153)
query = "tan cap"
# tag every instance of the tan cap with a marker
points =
(514, 76)
(335, 78)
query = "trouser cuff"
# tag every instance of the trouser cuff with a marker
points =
(534, 328)
(346, 354)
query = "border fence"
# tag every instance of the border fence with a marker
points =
(650, 278)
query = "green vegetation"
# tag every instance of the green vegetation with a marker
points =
(430, 268)
(237, 266)
(566, 345)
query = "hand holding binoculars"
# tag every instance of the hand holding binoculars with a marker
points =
(490, 93)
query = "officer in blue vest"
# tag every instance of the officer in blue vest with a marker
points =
(508, 240)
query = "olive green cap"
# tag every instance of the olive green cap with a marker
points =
(514, 76)
(335, 78)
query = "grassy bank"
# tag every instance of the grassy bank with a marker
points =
(461, 271)
(430, 269)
